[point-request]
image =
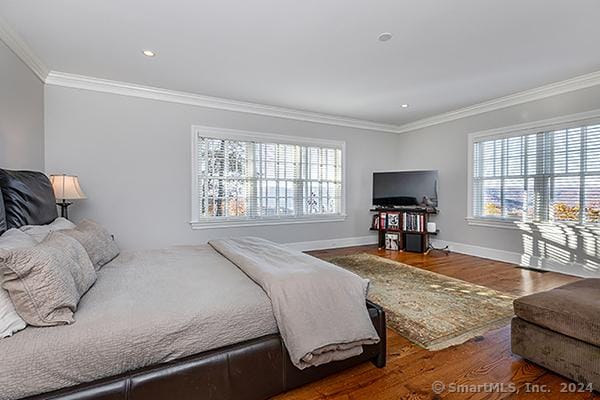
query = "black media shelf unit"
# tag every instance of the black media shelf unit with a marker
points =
(409, 223)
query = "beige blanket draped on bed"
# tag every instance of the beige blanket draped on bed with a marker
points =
(319, 308)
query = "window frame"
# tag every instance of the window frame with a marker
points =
(197, 222)
(541, 126)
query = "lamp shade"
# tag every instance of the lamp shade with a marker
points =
(66, 187)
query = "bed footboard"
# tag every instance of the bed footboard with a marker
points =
(378, 317)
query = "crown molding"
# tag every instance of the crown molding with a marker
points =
(148, 92)
(23, 51)
(561, 122)
(542, 92)
(154, 93)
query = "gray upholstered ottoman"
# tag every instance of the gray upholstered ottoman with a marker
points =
(560, 330)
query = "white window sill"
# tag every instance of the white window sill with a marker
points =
(265, 222)
(493, 223)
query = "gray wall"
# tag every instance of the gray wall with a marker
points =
(21, 114)
(444, 147)
(133, 159)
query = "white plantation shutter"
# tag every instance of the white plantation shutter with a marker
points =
(251, 179)
(545, 176)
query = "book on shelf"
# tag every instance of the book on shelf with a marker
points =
(413, 222)
(393, 221)
(375, 222)
(392, 241)
(399, 221)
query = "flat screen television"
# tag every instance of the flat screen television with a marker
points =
(404, 188)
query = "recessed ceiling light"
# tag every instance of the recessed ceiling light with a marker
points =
(404, 106)
(385, 36)
(149, 53)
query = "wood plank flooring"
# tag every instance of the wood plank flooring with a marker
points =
(411, 371)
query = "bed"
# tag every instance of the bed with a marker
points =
(182, 322)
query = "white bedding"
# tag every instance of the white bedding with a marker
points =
(146, 308)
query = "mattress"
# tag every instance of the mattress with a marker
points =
(147, 307)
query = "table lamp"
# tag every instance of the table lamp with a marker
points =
(66, 187)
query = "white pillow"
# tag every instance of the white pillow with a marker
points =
(39, 232)
(10, 321)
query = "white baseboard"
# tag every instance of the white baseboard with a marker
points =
(478, 251)
(522, 260)
(333, 243)
(548, 264)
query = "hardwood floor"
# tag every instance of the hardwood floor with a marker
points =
(411, 371)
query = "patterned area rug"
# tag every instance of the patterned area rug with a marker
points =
(431, 310)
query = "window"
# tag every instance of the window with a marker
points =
(242, 178)
(547, 176)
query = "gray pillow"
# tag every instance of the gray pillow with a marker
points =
(46, 282)
(14, 238)
(96, 240)
(39, 232)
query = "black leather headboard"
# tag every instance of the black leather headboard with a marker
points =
(28, 198)
(2, 216)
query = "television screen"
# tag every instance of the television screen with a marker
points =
(404, 188)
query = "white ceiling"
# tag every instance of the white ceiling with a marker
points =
(320, 55)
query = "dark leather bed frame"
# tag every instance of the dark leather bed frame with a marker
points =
(254, 369)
